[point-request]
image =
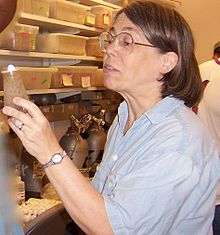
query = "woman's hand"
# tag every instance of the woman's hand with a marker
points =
(33, 129)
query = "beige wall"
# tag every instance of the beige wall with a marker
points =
(204, 19)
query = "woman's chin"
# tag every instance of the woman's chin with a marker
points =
(111, 82)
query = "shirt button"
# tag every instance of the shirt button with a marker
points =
(98, 168)
(114, 157)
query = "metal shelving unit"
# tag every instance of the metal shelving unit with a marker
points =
(54, 25)
(60, 90)
(41, 55)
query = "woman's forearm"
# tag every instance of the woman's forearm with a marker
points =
(84, 204)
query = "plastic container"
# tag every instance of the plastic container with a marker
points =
(62, 43)
(68, 11)
(13, 87)
(93, 47)
(22, 38)
(25, 37)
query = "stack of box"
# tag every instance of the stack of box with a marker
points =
(62, 43)
(75, 76)
(67, 11)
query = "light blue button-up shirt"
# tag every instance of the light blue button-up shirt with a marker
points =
(160, 177)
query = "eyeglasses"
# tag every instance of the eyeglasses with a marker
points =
(125, 41)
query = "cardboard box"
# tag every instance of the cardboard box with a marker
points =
(74, 76)
(93, 47)
(67, 11)
(62, 43)
(36, 7)
(103, 16)
(97, 81)
(35, 78)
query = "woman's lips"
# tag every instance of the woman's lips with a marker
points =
(109, 68)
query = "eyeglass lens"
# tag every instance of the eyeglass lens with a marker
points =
(123, 39)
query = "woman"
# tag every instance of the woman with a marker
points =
(160, 167)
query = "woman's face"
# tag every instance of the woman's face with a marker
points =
(126, 70)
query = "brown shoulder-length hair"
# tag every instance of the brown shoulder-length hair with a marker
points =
(166, 29)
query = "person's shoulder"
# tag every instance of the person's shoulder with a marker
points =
(206, 69)
(182, 128)
(207, 64)
(196, 136)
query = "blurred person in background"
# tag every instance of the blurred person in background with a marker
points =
(209, 107)
(209, 111)
(160, 166)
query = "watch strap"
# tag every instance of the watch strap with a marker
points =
(51, 163)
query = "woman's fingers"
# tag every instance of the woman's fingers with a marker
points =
(22, 134)
(31, 108)
(18, 115)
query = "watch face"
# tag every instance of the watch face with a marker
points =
(57, 158)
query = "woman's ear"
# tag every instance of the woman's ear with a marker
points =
(168, 61)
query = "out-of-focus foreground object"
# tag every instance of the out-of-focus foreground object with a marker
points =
(8, 223)
(7, 12)
(8, 17)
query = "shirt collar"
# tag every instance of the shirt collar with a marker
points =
(156, 114)
(163, 108)
(122, 113)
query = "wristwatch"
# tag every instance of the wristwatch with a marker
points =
(56, 158)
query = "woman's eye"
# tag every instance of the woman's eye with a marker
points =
(126, 43)
(126, 40)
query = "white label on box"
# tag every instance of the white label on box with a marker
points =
(86, 82)
(67, 80)
(106, 20)
(90, 20)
